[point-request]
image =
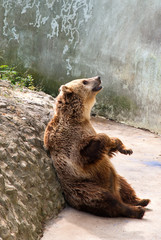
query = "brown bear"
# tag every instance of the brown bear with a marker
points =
(81, 156)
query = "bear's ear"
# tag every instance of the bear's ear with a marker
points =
(66, 93)
(65, 89)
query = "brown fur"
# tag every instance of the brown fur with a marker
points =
(81, 157)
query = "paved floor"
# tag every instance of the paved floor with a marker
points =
(142, 170)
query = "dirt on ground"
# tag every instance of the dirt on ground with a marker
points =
(142, 170)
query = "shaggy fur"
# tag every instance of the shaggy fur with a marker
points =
(81, 157)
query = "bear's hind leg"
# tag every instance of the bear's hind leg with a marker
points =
(107, 205)
(128, 194)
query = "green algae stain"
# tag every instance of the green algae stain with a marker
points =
(114, 106)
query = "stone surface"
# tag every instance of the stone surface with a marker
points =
(29, 191)
(118, 40)
(142, 170)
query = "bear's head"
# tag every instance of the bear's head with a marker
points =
(77, 97)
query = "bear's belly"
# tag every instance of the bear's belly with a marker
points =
(73, 177)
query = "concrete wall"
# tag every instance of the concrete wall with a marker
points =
(118, 40)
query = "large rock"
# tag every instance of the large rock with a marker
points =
(29, 190)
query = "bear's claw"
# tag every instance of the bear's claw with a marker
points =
(126, 151)
(140, 212)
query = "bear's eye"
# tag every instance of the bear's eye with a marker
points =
(85, 82)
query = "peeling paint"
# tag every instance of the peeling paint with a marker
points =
(69, 67)
(29, 4)
(7, 6)
(38, 16)
(5, 26)
(15, 35)
(50, 3)
(66, 48)
(44, 20)
(54, 27)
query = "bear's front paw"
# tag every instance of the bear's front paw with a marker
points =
(126, 151)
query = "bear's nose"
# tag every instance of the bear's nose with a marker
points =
(98, 78)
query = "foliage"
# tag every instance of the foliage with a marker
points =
(22, 80)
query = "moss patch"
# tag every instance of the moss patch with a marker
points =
(114, 106)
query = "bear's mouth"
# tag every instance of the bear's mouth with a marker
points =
(97, 88)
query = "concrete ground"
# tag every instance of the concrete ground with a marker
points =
(142, 170)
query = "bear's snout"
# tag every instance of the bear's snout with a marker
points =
(98, 78)
(97, 85)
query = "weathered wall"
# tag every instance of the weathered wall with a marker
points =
(29, 190)
(119, 40)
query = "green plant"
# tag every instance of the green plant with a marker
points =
(22, 80)
(8, 73)
(26, 81)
